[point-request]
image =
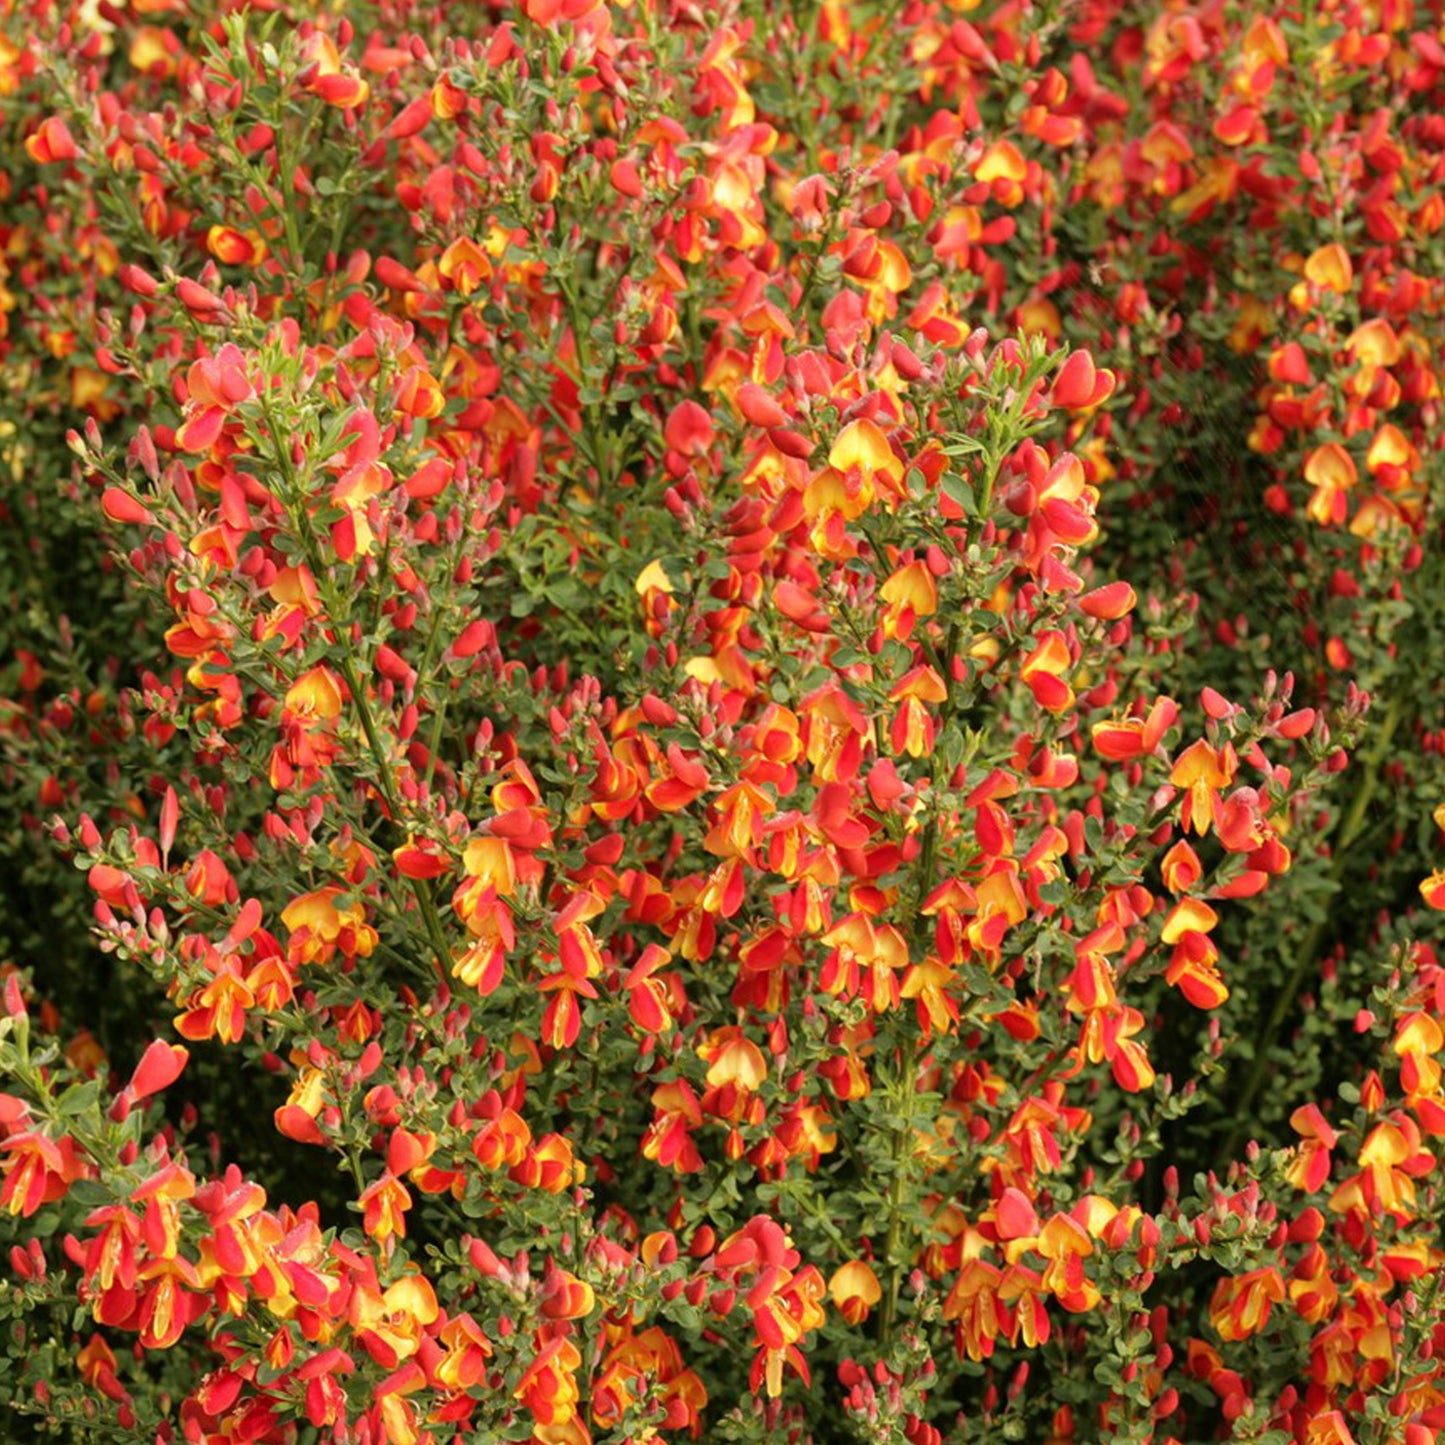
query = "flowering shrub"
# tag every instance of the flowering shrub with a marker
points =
(722, 723)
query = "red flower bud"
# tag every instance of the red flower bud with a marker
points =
(626, 180)
(51, 142)
(120, 506)
(759, 406)
(1079, 384)
(159, 1068)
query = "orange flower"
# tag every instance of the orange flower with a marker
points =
(548, 1388)
(308, 713)
(503, 1140)
(974, 1305)
(1241, 1306)
(1329, 268)
(1389, 1159)
(649, 997)
(646, 1360)
(910, 593)
(780, 1320)
(489, 921)
(912, 730)
(1330, 470)
(550, 1166)
(733, 1059)
(169, 1302)
(1128, 1058)
(1003, 167)
(854, 1289)
(1043, 670)
(1065, 1244)
(159, 1068)
(1310, 1168)
(325, 76)
(862, 455)
(1374, 344)
(565, 1297)
(51, 141)
(927, 984)
(1121, 740)
(1001, 905)
(1191, 967)
(384, 1205)
(296, 1118)
(1080, 386)
(864, 951)
(1180, 868)
(668, 1140)
(1311, 1290)
(38, 1170)
(390, 1323)
(464, 265)
(1329, 1429)
(418, 394)
(467, 1352)
(1202, 770)
(1432, 889)
(1418, 1038)
(235, 248)
(320, 928)
(218, 1009)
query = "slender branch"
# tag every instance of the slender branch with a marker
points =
(385, 778)
(897, 1192)
(1307, 960)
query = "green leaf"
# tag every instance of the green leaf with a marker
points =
(79, 1100)
(959, 491)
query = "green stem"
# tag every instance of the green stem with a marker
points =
(1307, 960)
(992, 462)
(903, 1137)
(428, 655)
(1418, 1325)
(387, 782)
(894, 1265)
(430, 919)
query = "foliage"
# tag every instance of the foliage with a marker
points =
(720, 722)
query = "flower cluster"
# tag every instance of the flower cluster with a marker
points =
(730, 853)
